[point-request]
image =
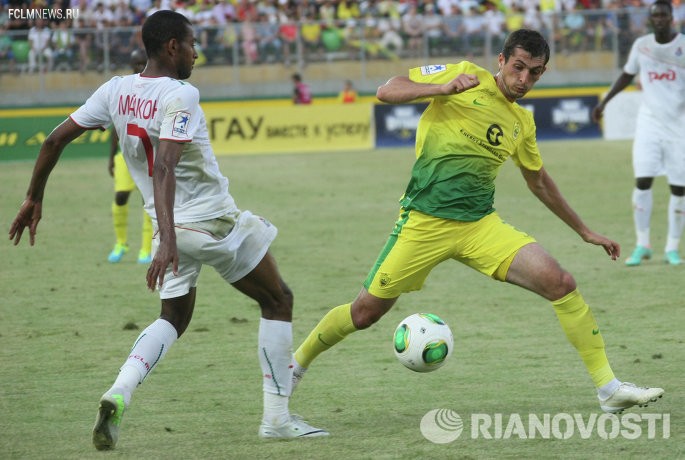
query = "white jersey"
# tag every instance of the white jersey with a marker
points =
(661, 69)
(143, 111)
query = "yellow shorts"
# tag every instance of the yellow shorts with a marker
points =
(419, 242)
(123, 182)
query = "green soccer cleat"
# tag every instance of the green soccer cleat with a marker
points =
(144, 257)
(108, 421)
(629, 395)
(639, 254)
(672, 258)
(117, 253)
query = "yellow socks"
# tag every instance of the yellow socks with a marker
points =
(335, 326)
(120, 220)
(582, 331)
(146, 240)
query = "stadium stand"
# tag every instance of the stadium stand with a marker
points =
(248, 47)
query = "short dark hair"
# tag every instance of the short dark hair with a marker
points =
(665, 3)
(528, 40)
(161, 27)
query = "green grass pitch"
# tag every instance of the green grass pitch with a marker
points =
(68, 319)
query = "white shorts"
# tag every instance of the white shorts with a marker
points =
(233, 244)
(658, 155)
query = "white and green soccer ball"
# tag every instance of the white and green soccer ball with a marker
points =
(423, 342)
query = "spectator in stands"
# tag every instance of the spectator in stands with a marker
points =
(532, 18)
(6, 53)
(63, 44)
(389, 27)
(301, 92)
(638, 17)
(495, 21)
(122, 15)
(445, 6)
(183, 7)
(139, 8)
(223, 11)
(412, 29)
(453, 30)
(574, 31)
(245, 10)
(270, 45)
(210, 40)
(287, 32)
(327, 13)
(433, 28)
(474, 32)
(40, 51)
(249, 38)
(347, 10)
(348, 95)
(515, 17)
(310, 32)
(307, 9)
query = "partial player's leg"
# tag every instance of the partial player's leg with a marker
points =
(676, 212)
(145, 253)
(417, 243)
(647, 164)
(532, 268)
(123, 186)
(148, 349)
(120, 222)
(337, 324)
(643, 203)
(265, 285)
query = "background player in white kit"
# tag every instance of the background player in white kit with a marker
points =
(659, 144)
(164, 140)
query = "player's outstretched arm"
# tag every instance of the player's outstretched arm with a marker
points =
(31, 209)
(545, 189)
(399, 89)
(619, 85)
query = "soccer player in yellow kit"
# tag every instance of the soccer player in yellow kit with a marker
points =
(123, 186)
(470, 128)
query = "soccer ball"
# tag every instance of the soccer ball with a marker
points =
(423, 342)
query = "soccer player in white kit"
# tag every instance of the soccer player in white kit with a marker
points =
(164, 139)
(659, 144)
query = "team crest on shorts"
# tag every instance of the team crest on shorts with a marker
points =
(432, 69)
(384, 279)
(181, 122)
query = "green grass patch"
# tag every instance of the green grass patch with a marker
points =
(67, 318)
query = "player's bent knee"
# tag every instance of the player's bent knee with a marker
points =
(644, 183)
(365, 315)
(121, 198)
(280, 308)
(566, 284)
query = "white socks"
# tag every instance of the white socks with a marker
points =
(642, 214)
(676, 221)
(150, 347)
(275, 343)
